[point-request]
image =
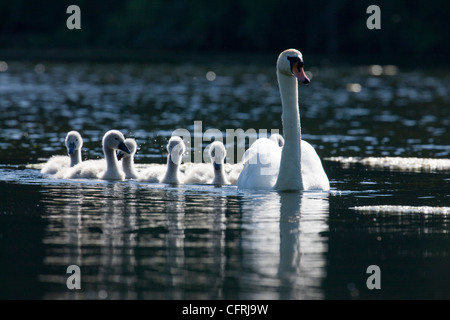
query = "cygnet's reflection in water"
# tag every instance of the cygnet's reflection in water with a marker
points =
(174, 241)
(283, 246)
(92, 232)
(195, 245)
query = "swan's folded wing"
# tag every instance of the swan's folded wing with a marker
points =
(55, 164)
(313, 174)
(152, 173)
(199, 173)
(234, 170)
(89, 169)
(261, 165)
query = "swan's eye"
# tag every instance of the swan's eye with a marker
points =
(213, 153)
(295, 62)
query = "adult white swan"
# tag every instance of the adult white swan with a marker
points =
(278, 138)
(107, 168)
(73, 143)
(295, 166)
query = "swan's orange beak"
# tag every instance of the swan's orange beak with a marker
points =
(299, 73)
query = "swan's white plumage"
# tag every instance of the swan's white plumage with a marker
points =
(213, 173)
(295, 165)
(88, 169)
(152, 173)
(127, 159)
(107, 168)
(217, 153)
(234, 172)
(56, 164)
(156, 173)
(175, 149)
(198, 173)
(277, 138)
(261, 163)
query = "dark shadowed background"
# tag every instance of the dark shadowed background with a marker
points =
(414, 32)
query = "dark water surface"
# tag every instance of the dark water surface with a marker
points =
(136, 240)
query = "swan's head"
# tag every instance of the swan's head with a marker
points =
(176, 149)
(217, 152)
(73, 142)
(278, 139)
(132, 147)
(290, 63)
(114, 140)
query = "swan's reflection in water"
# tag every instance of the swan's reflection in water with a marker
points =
(283, 245)
(143, 241)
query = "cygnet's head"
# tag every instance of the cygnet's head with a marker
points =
(278, 139)
(74, 142)
(114, 140)
(132, 147)
(290, 63)
(176, 149)
(217, 152)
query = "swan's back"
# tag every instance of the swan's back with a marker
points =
(234, 172)
(89, 169)
(199, 173)
(153, 173)
(56, 164)
(261, 165)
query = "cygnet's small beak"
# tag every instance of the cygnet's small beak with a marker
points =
(71, 147)
(123, 147)
(299, 73)
(217, 166)
(120, 155)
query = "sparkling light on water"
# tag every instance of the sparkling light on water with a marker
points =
(403, 209)
(211, 76)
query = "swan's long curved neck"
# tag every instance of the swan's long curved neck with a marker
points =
(171, 175)
(290, 173)
(128, 167)
(75, 158)
(112, 165)
(219, 174)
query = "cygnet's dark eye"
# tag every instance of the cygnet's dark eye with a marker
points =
(213, 152)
